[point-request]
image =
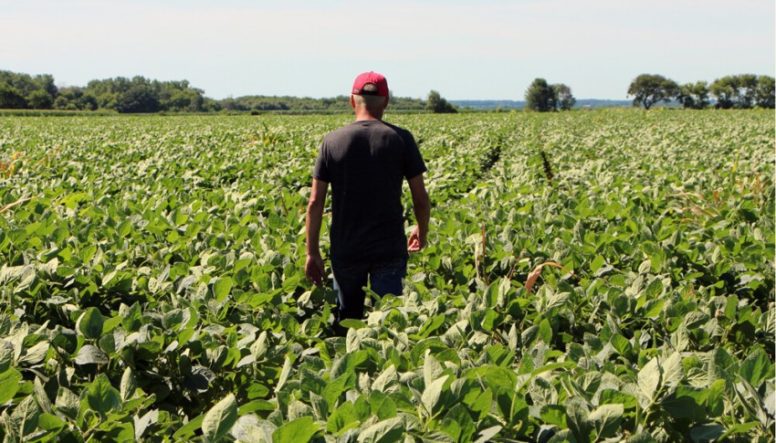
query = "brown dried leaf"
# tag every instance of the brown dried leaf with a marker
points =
(534, 275)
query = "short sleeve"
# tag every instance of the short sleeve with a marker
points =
(321, 169)
(413, 162)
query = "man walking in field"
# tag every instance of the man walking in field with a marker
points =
(366, 162)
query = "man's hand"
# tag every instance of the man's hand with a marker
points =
(314, 269)
(416, 241)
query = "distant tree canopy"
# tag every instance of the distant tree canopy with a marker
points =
(543, 97)
(564, 100)
(766, 91)
(20, 91)
(693, 95)
(649, 89)
(138, 94)
(743, 91)
(438, 105)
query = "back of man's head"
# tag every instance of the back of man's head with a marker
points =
(370, 94)
(373, 104)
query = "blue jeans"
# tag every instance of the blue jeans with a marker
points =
(384, 277)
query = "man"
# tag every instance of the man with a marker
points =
(366, 162)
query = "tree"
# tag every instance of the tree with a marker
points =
(649, 89)
(694, 95)
(138, 98)
(736, 91)
(540, 96)
(563, 98)
(725, 91)
(766, 89)
(40, 99)
(438, 105)
(11, 98)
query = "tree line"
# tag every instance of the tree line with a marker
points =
(136, 94)
(140, 94)
(742, 91)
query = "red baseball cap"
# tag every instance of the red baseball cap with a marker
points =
(379, 88)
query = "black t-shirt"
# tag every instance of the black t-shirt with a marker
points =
(366, 162)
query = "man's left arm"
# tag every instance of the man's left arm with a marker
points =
(314, 268)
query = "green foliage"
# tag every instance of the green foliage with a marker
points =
(765, 94)
(543, 97)
(438, 105)
(649, 89)
(743, 91)
(563, 98)
(694, 95)
(152, 286)
(540, 96)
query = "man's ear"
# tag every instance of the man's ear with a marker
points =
(387, 100)
(352, 102)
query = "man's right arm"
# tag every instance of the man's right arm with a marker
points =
(314, 268)
(421, 205)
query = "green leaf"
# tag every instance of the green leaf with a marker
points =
(431, 369)
(387, 376)
(606, 419)
(487, 434)
(25, 416)
(300, 430)
(706, 433)
(621, 344)
(251, 429)
(9, 384)
(222, 288)
(381, 405)
(458, 423)
(715, 397)
(545, 331)
(39, 391)
(142, 423)
(91, 355)
(385, 431)
(723, 366)
(341, 418)
(187, 431)
(431, 325)
(50, 422)
(577, 419)
(90, 323)
(686, 403)
(756, 368)
(483, 403)
(649, 380)
(101, 396)
(554, 415)
(672, 370)
(67, 402)
(641, 437)
(6, 355)
(220, 419)
(285, 372)
(352, 323)
(432, 392)
(128, 384)
(35, 354)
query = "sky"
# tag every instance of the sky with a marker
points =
(487, 49)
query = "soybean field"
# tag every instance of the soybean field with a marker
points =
(590, 276)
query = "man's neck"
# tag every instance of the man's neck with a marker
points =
(362, 116)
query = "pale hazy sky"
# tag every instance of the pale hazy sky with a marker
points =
(489, 49)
